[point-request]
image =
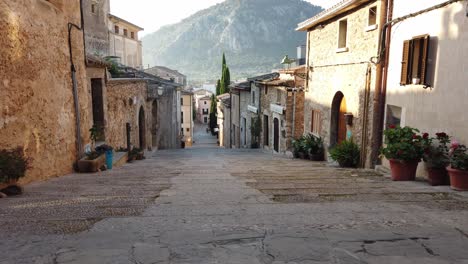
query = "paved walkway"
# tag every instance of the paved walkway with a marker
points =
(207, 206)
(202, 138)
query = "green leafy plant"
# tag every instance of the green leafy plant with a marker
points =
(313, 145)
(346, 153)
(436, 150)
(403, 143)
(94, 134)
(298, 146)
(13, 164)
(458, 156)
(136, 153)
(255, 131)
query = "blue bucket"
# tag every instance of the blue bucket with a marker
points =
(109, 159)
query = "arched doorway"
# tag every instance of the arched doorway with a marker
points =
(141, 127)
(338, 121)
(154, 125)
(276, 134)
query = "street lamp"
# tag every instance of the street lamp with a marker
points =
(160, 90)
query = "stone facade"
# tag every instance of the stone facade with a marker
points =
(95, 14)
(36, 93)
(126, 99)
(342, 71)
(224, 120)
(235, 114)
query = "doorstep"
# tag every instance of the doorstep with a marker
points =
(120, 158)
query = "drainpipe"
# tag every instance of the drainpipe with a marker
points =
(294, 114)
(377, 100)
(230, 119)
(76, 102)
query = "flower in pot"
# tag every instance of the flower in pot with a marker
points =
(314, 147)
(404, 149)
(436, 158)
(458, 168)
(346, 153)
(136, 154)
(13, 166)
(299, 148)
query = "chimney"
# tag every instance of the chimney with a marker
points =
(301, 55)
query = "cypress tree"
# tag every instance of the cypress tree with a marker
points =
(227, 79)
(218, 87)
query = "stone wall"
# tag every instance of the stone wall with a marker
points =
(125, 98)
(347, 72)
(96, 27)
(245, 121)
(274, 95)
(36, 100)
(235, 130)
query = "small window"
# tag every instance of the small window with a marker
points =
(125, 32)
(132, 35)
(393, 116)
(116, 29)
(343, 34)
(414, 62)
(204, 102)
(182, 131)
(316, 122)
(278, 96)
(205, 119)
(181, 117)
(372, 16)
(188, 129)
(266, 89)
(93, 8)
(253, 97)
(181, 101)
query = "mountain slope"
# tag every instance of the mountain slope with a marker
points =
(254, 34)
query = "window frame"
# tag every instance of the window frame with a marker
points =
(340, 46)
(408, 60)
(316, 122)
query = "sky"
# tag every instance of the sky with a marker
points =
(153, 14)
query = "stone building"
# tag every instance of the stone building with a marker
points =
(224, 119)
(186, 119)
(124, 42)
(281, 104)
(95, 15)
(426, 81)
(37, 102)
(239, 94)
(342, 43)
(168, 74)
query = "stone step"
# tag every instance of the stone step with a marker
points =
(120, 158)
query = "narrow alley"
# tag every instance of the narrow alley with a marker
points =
(210, 205)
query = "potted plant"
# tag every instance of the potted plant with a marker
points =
(255, 130)
(404, 149)
(458, 168)
(13, 166)
(136, 154)
(314, 147)
(346, 153)
(109, 152)
(436, 158)
(297, 147)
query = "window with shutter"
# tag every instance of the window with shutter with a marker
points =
(404, 63)
(415, 59)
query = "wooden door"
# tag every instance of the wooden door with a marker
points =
(276, 135)
(342, 122)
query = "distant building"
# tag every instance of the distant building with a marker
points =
(124, 43)
(204, 105)
(186, 118)
(168, 74)
(95, 15)
(224, 119)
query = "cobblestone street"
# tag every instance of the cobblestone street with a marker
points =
(210, 205)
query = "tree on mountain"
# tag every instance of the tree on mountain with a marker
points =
(225, 77)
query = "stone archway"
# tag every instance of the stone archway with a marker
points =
(142, 128)
(338, 121)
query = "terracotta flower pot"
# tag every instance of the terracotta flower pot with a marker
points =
(316, 157)
(403, 170)
(303, 155)
(437, 176)
(458, 179)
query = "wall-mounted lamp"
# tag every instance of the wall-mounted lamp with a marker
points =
(349, 119)
(160, 90)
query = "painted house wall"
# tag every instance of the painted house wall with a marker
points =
(439, 108)
(36, 100)
(333, 71)
(129, 50)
